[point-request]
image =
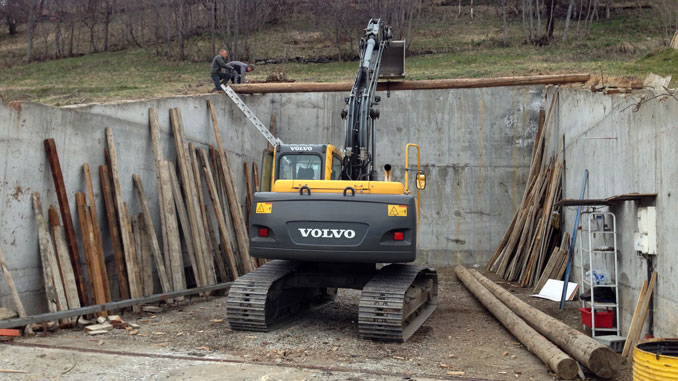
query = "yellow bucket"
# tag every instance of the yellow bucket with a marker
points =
(656, 359)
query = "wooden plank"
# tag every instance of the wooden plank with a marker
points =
(204, 229)
(158, 157)
(89, 245)
(133, 255)
(132, 271)
(64, 261)
(46, 252)
(97, 232)
(146, 257)
(237, 218)
(184, 221)
(57, 176)
(634, 319)
(148, 224)
(136, 233)
(218, 259)
(14, 293)
(189, 192)
(644, 309)
(255, 175)
(113, 228)
(249, 193)
(176, 269)
(221, 221)
(550, 265)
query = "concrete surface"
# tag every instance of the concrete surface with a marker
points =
(627, 151)
(476, 146)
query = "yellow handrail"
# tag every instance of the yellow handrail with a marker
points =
(407, 170)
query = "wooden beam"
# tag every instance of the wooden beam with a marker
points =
(97, 232)
(132, 276)
(12, 287)
(248, 191)
(148, 224)
(57, 176)
(89, 245)
(184, 221)
(233, 201)
(203, 217)
(46, 252)
(459, 83)
(644, 309)
(221, 221)
(634, 320)
(189, 191)
(111, 216)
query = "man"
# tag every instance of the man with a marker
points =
(241, 68)
(219, 63)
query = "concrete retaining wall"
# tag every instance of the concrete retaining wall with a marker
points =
(627, 151)
(476, 149)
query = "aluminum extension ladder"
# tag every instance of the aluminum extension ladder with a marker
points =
(251, 116)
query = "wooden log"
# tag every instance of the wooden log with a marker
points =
(644, 309)
(97, 232)
(233, 202)
(183, 220)
(600, 359)
(634, 320)
(89, 245)
(205, 164)
(113, 228)
(148, 224)
(459, 83)
(203, 217)
(221, 221)
(46, 252)
(189, 192)
(560, 363)
(57, 176)
(132, 271)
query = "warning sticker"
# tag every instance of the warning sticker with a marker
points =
(397, 210)
(264, 207)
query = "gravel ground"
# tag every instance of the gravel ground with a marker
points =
(461, 336)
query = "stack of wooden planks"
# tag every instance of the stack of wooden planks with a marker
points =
(529, 246)
(198, 210)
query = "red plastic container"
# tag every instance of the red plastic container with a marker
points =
(603, 319)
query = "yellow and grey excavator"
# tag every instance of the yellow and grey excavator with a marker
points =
(328, 223)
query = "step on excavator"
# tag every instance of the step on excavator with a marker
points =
(328, 222)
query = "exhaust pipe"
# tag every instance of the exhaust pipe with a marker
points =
(387, 172)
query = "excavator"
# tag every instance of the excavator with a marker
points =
(328, 222)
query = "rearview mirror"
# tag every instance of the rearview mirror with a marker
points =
(421, 181)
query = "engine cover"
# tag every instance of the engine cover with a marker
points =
(328, 227)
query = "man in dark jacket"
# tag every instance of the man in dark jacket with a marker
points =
(242, 69)
(219, 64)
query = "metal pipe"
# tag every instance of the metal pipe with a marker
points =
(50, 316)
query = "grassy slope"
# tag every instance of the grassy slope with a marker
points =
(628, 45)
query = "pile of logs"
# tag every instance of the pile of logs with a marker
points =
(529, 246)
(192, 193)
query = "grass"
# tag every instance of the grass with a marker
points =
(630, 44)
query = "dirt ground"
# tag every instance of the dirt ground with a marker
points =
(191, 340)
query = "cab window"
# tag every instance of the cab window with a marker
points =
(336, 168)
(299, 167)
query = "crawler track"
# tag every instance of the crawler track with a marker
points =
(397, 301)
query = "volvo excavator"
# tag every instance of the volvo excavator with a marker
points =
(328, 222)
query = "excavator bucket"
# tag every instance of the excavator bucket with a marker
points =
(393, 61)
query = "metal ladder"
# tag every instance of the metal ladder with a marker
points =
(251, 116)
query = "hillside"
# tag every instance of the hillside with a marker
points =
(446, 44)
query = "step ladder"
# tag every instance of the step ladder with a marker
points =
(251, 116)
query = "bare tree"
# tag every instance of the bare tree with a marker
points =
(503, 11)
(12, 11)
(90, 18)
(34, 12)
(109, 5)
